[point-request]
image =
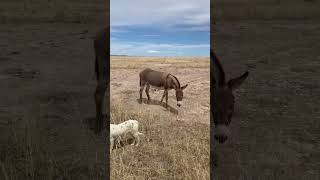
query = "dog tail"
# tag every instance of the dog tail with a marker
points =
(140, 134)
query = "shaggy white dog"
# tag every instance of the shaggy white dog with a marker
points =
(129, 126)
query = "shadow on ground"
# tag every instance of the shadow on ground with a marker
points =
(159, 103)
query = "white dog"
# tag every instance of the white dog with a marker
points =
(129, 126)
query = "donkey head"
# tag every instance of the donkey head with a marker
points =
(179, 94)
(222, 98)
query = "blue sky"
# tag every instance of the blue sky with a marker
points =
(160, 27)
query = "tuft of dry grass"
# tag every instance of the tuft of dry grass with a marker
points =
(170, 149)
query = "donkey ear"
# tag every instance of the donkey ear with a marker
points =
(236, 82)
(216, 70)
(183, 87)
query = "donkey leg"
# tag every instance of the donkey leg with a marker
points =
(99, 96)
(166, 98)
(147, 92)
(142, 84)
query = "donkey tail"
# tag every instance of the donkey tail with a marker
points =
(140, 81)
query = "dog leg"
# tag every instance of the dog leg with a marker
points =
(137, 138)
(111, 143)
(164, 93)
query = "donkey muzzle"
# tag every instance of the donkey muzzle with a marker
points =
(179, 103)
(222, 133)
(221, 139)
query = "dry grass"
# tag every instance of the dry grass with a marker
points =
(170, 149)
(25, 156)
(129, 62)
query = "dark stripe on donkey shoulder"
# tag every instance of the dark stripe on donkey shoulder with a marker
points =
(175, 78)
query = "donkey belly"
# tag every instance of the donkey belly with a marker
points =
(155, 79)
(158, 88)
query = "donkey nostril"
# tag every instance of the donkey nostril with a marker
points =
(225, 138)
(216, 137)
(221, 139)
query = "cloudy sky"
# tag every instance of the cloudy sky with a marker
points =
(160, 27)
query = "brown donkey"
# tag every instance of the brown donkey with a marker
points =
(222, 98)
(161, 80)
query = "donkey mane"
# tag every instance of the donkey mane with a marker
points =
(176, 80)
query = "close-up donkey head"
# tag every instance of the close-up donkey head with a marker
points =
(179, 94)
(222, 98)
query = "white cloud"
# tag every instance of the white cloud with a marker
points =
(163, 13)
(171, 16)
(197, 19)
(139, 48)
(152, 51)
(117, 30)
